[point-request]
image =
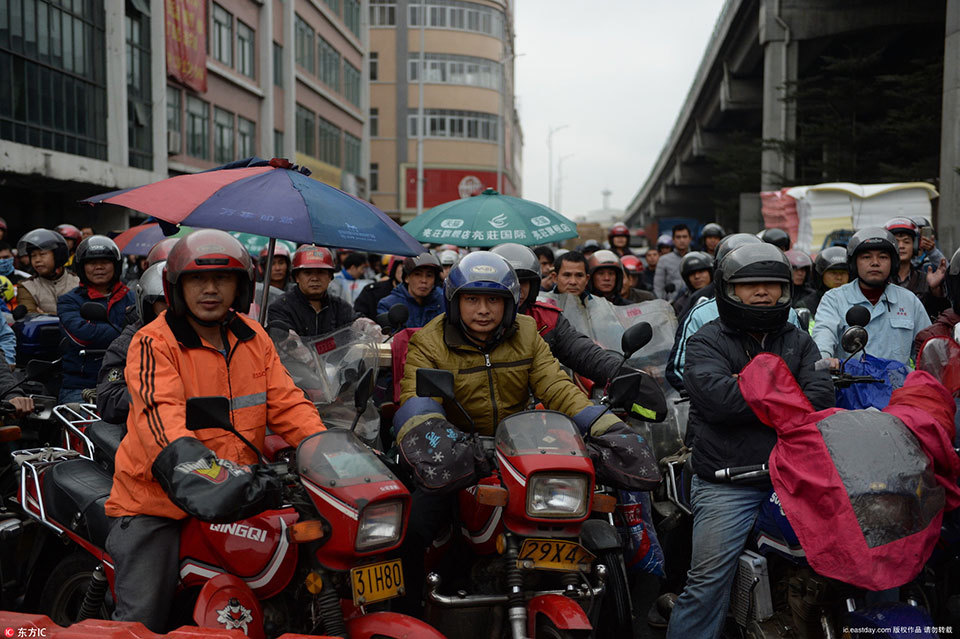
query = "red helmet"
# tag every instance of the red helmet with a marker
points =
(902, 225)
(207, 250)
(3, 224)
(161, 250)
(619, 229)
(69, 231)
(279, 250)
(631, 264)
(606, 259)
(310, 256)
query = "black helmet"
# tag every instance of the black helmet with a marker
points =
(711, 230)
(731, 242)
(869, 239)
(149, 289)
(45, 240)
(754, 263)
(98, 247)
(424, 260)
(777, 237)
(483, 272)
(831, 258)
(525, 264)
(692, 262)
(953, 281)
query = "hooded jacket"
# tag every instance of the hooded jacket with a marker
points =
(78, 371)
(168, 363)
(293, 311)
(726, 432)
(420, 314)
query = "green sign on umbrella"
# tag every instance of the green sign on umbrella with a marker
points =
(489, 219)
(256, 243)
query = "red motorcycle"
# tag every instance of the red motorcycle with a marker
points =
(318, 565)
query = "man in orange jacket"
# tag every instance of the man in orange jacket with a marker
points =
(200, 346)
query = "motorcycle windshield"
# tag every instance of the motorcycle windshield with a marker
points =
(888, 478)
(328, 367)
(337, 458)
(940, 356)
(539, 432)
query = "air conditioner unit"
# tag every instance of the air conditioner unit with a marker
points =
(173, 142)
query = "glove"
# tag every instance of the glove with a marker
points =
(639, 394)
(368, 328)
(214, 490)
(623, 459)
(443, 458)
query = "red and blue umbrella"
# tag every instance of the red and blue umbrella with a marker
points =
(273, 200)
(140, 239)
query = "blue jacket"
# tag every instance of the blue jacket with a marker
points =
(697, 317)
(894, 321)
(8, 342)
(81, 372)
(419, 314)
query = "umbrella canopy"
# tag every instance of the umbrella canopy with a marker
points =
(489, 219)
(272, 200)
(256, 243)
(140, 239)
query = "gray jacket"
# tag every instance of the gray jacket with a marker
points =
(668, 272)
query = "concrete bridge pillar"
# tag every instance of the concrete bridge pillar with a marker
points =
(948, 219)
(779, 116)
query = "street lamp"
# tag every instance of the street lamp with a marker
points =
(550, 133)
(501, 133)
(560, 179)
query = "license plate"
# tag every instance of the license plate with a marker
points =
(553, 554)
(377, 582)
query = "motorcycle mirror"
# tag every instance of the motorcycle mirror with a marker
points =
(857, 316)
(433, 382)
(39, 369)
(854, 339)
(635, 338)
(803, 314)
(19, 313)
(364, 390)
(93, 312)
(208, 412)
(398, 315)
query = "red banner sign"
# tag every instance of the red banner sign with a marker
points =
(443, 185)
(187, 43)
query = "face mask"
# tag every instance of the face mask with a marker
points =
(6, 266)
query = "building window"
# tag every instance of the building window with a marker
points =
(306, 121)
(278, 151)
(454, 14)
(53, 75)
(351, 16)
(374, 122)
(222, 35)
(446, 68)
(443, 123)
(198, 128)
(351, 154)
(223, 136)
(139, 118)
(329, 64)
(334, 5)
(246, 46)
(351, 83)
(305, 52)
(329, 147)
(374, 65)
(277, 65)
(174, 119)
(246, 138)
(374, 176)
(383, 13)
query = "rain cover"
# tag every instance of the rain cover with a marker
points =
(864, 490)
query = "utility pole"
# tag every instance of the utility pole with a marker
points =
(550, 133)
(560, 180)
(421, 123)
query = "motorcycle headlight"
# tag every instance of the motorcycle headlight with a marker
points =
(380, 525)
(557, 496)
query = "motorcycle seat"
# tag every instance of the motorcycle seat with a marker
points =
(106, 438)
(74, 492)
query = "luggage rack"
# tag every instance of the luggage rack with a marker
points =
(32, 462)
(74, 417)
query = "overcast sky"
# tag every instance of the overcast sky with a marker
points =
(616, 72)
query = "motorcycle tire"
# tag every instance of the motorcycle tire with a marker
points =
(63, 592)
(546, 629)
(616, 611)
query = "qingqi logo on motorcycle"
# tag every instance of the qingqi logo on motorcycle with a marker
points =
(210, 469)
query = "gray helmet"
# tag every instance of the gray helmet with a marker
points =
(831, 258)
(448, 258)
(692, 262)
(525, 264)
(149, 289)
(754, 263)
(45, 240)
(711, 230)
(869, 239)
(731, 242)
(424, 260)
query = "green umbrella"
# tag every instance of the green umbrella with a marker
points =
(489, 219)
(256, 243)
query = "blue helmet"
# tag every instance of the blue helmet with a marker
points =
(483, 272)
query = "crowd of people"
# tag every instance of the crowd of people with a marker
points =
(178, 327)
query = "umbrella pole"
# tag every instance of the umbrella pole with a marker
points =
(266, 281)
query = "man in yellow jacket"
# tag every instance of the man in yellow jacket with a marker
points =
(498, 359)
(200, 346)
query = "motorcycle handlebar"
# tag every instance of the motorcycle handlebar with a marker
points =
(740, 473)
